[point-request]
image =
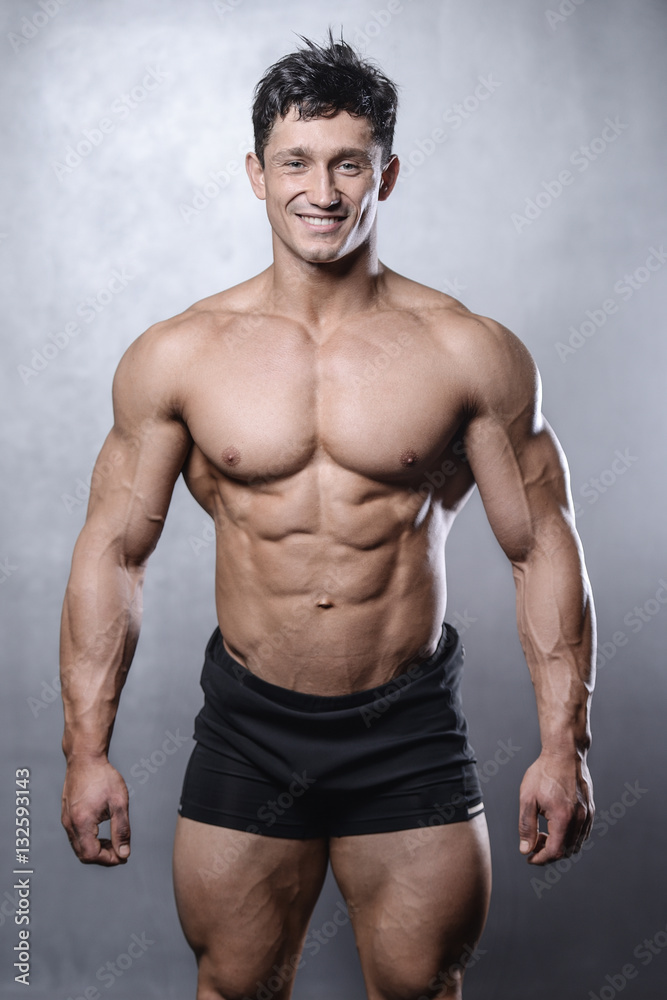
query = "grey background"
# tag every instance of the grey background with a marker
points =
(449, 224)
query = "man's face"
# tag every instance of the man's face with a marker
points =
(321, 181)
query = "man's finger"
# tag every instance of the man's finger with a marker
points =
(528, 827)
(86, 843)
(585, 829)
(552, 845)
(88, 847)
(82, 833)
(539, 846)
(106, 856)
(120, 832)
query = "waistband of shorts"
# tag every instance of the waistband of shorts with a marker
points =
(449, 645)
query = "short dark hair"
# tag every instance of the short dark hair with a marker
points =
(319, 81)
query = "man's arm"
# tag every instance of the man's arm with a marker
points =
(102, 611)
(523, 480)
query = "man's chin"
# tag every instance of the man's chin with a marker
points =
(323, 256)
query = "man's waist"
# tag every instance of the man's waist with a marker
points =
(325, 661)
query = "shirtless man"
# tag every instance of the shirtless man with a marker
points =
(332, 729)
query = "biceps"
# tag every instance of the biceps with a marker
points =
(131, 488)
(523, 480)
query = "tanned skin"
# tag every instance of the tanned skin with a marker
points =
(330, 570)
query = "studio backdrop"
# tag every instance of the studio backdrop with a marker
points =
(532, 142)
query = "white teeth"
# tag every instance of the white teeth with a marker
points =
(315, 220)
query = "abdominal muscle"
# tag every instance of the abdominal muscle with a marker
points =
(314, 612)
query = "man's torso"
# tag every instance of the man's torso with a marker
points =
(333, 465)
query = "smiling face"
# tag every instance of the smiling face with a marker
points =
(322, 180)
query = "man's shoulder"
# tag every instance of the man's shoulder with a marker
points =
(458, 328)
(223, 307)
(403, 293)
(179, 338)
(492, 365)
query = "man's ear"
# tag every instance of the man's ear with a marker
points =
(389, 177)
(255, 172)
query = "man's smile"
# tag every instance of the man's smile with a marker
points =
(323, 223)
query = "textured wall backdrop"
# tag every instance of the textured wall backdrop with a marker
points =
(532, 138)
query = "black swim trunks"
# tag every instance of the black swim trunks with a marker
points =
(285, 763)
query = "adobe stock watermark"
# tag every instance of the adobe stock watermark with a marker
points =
(290, 453)
(503, 755)
(111, 971)
(581, 158)
(393, 349)
(565, 9)
(624, 288)
(7, 569)
(453, 287)
(393, 689)
(222, 7)
(376, 24)
(213, 186)
(455, 117)
(222, 861)
(147, 766)
(207, 536)
(32, 25)
(635, 619)
(267, 814)
(316, 938)
(251, 325)
(451, 977)
(102, 471)
(48, 693)
(597, 486)
(446, 813)
(389, 352)
(300, 618)
(8, 906)
(436, 478)
(604, 820)
(644, 952)
(641, 615)
(122, 108)
(88, 310)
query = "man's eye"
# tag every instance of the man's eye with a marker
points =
(295, 163)
(349, 166)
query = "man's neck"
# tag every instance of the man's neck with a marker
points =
(321, 295)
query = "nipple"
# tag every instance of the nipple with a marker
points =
(231, 456)
(409, 458)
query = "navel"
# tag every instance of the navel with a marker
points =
(409, 458)
(231, 456)
(324, 602)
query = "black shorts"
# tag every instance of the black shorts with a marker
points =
(285, 763)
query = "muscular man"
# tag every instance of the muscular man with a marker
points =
(305, 408)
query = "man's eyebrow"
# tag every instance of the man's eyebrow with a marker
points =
(305, 153)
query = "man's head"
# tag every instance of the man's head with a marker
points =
(320, 81)
(324, 124)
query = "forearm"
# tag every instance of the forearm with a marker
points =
(556, 622)
(100, 628)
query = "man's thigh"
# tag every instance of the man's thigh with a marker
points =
(418, 901)
(244, 902)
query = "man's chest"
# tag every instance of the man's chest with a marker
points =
(378, 399)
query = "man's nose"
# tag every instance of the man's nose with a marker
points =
(322, 190)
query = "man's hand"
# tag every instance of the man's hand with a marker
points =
(559, 788)
(94, 791)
